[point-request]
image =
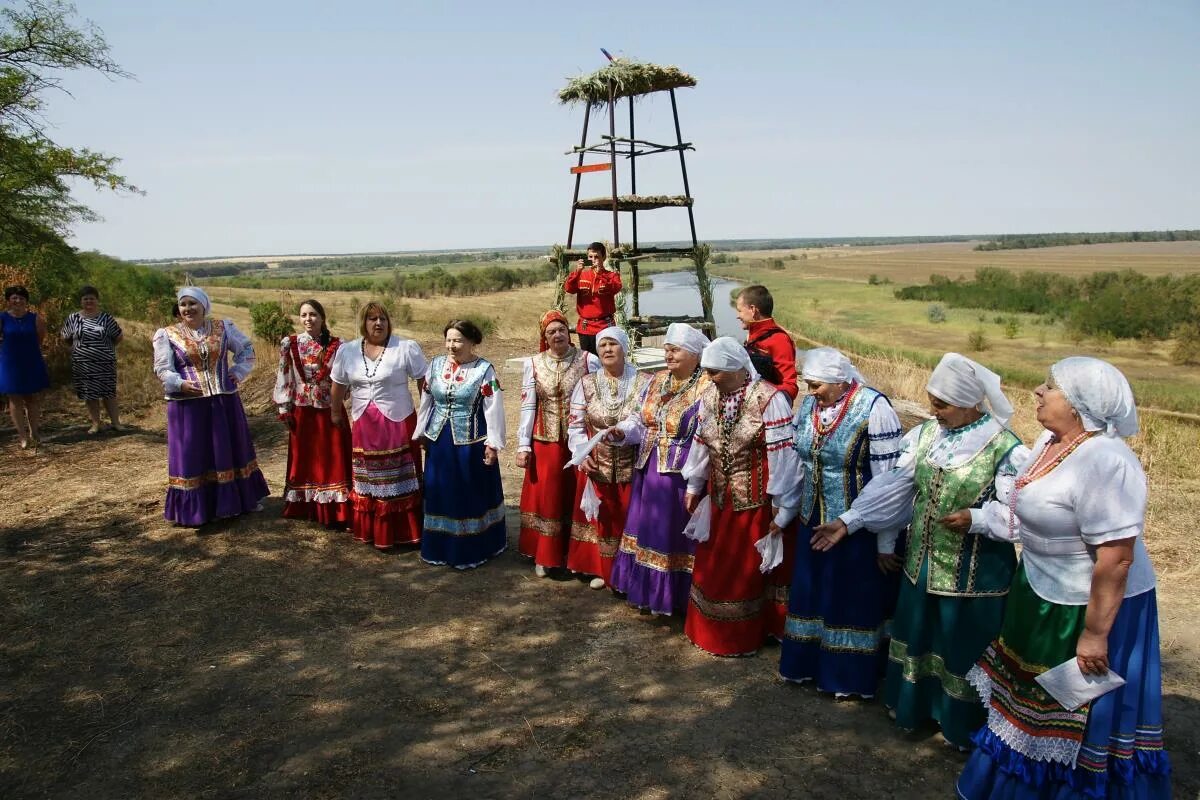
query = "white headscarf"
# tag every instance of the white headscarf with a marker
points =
(728, 355)
(685, 336)
(1099, 392)
(964, 383)
(617, 335)
(197, 294)
(828, 365)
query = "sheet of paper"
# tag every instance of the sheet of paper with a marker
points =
(588, 447)
(1071, 688)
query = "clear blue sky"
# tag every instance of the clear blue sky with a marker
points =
(261, 126)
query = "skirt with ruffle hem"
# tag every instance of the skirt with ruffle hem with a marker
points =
(1034, 749)
(594, 544)
(464, 505)
(653, 566)
(387, 487)
(212, 468)
(318, 469)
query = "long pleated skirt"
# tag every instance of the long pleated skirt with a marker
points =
(464, 505)
(387, 489)
(653, 565)
(1034, 749)
(212, 468)
(837, 612)
(728, 611)
(593, 544)
(547, 496)
(318, 469)
(935, 641)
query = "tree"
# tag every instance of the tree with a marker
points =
(39, 41)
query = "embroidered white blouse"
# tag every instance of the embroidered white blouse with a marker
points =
(493, 404)
(529, 400)
(383, 382)
(1096, 495)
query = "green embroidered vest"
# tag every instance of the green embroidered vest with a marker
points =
(960, 565)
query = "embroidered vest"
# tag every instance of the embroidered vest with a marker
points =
(460, 402)
(738, 449)
(614, 464)
(202, 361)
(670, 422)
(960, 565)
(553, 381)
(836, 462)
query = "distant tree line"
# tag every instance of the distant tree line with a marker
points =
(344, 264)
(401, 283)
(1025, 241)
(1124, 305)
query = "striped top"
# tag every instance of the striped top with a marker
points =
(93, 354)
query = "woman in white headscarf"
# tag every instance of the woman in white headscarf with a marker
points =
(598, 402)
(1083, 597)
(846, 435)
(211, 465)
(653, 567)
(742, 460)
(952, 595)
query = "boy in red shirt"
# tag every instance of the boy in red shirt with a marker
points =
(770, 346)
(595, 288)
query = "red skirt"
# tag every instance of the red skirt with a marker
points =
(387, 473)
(728, 611)
(318, 469)
(593, 545)
(547, 496)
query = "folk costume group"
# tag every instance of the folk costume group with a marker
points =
(876, 558)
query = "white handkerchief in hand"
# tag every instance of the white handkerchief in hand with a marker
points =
(589, 504)
(770, 547)
(585, 449)
(1067, 684)
(697, 527)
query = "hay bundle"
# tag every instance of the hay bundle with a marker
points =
(630, 202)
(628, 78)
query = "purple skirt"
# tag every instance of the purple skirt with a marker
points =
(653, 566)
(211, 466)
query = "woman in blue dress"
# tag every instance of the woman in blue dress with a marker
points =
(461, 425)
(23, 372)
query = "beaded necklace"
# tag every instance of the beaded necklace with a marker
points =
(821, 431)
(667, 396)
(370, 373)
(612, 392)
(1040, 468)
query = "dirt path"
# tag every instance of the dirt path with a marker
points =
(268, 658)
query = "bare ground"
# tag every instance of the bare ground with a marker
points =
(262, 657)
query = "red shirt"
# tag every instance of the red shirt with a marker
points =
(780, 348)
(595, 292)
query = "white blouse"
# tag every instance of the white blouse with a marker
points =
(784, 469)
(493, 409)
(1096, 495)
(529, 400)
(383, 382)
(577, 435)
(886, 502)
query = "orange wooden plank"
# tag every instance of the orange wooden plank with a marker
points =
(590, 168)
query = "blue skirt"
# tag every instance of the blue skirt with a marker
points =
(1121, 756)
(464, 505)
(838, 607)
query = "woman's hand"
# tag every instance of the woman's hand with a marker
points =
(337, 416)
(614, 435)
(190, 388)
(887, 562)
(958, 521)
(827, 535)
(1091, 651)
(489, 455)
(690, 501)
(589, 464)
(523, 459)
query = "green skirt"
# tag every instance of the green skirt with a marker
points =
(935, 641)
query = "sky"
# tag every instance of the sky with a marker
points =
(266, 127)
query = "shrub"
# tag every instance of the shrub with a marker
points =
(402, 313)
(1012, 328)
(977, 341)
(936, 314)
(487, 325)
(270, 322)
(775, 263)
(1186, 349)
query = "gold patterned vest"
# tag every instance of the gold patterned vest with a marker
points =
(553, 381)
(670, 419)
(614, 464)
(737, 449)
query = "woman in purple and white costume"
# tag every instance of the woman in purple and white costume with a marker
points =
(654, 561)
(212, 470)
(1083, 592)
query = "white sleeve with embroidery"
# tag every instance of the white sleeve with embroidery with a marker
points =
(164, 363)
(886, 502)
(243, 352)
(493, 412)
(285, 380)
(425, 409)
(784, 469)
(992, 520)
(528, 408)
(695, 469)
(577, 435)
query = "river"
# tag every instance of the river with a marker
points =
(675, 293)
